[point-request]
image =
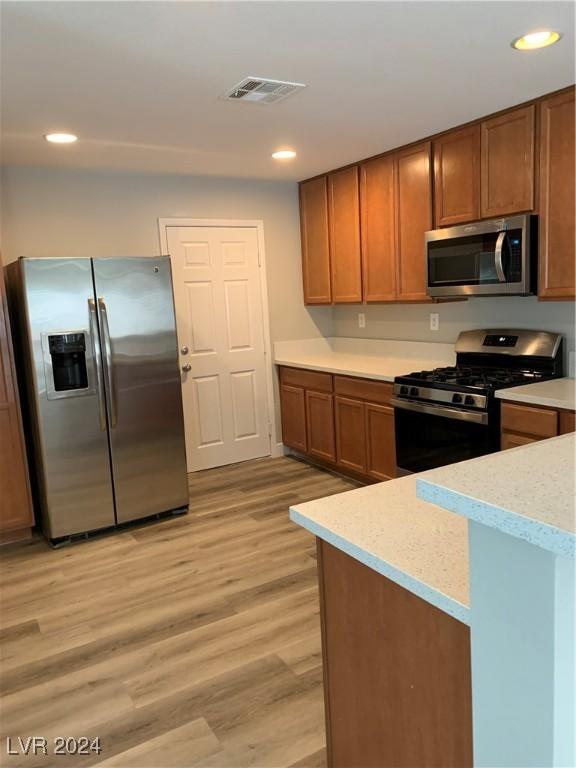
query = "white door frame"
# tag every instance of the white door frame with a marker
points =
(276, 448)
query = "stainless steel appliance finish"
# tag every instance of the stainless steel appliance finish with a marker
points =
(439, 410)
(487, 258)
(517, 342)
(104, 399)
(451, 414)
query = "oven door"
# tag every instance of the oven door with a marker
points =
(429, 436)
(489, 258)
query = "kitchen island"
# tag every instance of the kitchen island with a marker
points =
(428, 582)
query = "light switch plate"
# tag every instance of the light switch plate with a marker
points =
(434, 321)
(361, 320)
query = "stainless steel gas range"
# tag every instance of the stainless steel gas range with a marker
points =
(451, 414)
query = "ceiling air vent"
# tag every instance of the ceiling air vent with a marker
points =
(259, 89)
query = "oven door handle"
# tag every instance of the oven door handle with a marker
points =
(498, 257)
(439, 410)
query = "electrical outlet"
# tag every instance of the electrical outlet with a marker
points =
(434, 321)
(361, 320)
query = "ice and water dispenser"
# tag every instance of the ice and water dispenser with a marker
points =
(68, 361)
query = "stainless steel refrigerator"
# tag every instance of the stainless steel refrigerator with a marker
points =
(98, 351)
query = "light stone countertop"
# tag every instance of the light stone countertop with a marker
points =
(378, 359)
(417, 545)
(557, 393)
(527, 492)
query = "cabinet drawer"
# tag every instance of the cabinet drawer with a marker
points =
(363, 389)
(297, 377)
(540, 422)
(512, 440)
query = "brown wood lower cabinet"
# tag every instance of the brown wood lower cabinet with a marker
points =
(293, 400)
(320, 425)
(350, 434)
(397, 682)
(523, 424)
(380, 442)
(340, 421)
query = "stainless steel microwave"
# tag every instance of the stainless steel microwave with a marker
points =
(487, 258)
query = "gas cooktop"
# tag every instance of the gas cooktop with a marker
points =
(485, 361)
(467, 376)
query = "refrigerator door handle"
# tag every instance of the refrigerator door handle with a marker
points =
(107, 345)
(98, 364)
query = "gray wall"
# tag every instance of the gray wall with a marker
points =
(56, 212)
(411, 321)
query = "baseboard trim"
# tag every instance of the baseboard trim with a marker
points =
(279, 449)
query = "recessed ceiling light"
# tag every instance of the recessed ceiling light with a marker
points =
(284, 154)
(534, 40)
(61, 138)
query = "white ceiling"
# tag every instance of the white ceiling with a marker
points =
(140, 82)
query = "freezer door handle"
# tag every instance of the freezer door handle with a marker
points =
(107, 345)
(97, 364)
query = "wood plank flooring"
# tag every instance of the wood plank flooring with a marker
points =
(192, 642)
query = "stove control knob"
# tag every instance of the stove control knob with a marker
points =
(470, 400)
(414, 391)
(403, 390)
(456, 398)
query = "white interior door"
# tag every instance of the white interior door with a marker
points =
(217, 292)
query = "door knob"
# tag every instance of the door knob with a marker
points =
(184, 350)
(186, 368)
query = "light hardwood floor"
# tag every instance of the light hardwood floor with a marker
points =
(189, 642)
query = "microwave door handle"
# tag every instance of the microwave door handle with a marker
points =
(498, 257)
(107, 344)
(97, 364)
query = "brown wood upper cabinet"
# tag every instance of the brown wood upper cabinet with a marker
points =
(457, 176)
(378, 228)
(396, 211)
(315, 246)
(414, 218)
(557, 254)
(344, 227)
(507, 163)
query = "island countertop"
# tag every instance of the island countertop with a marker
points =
(556, 393)
(417, 545)
(526, 492)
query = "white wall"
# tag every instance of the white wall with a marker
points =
(54, 212)
(411, 321)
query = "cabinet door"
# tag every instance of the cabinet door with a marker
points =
(344, 220)
(380, 441)
(513, 440)
(557, 254)
(567, 422)
(350, 434)
(315, 248)
(320, 423)
(396, 672)
(378, 229)
(15, 501)
(293, 413)
(457, 176)
(507, 160)
(414, 218)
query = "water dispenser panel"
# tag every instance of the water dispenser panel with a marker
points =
(68, 353)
